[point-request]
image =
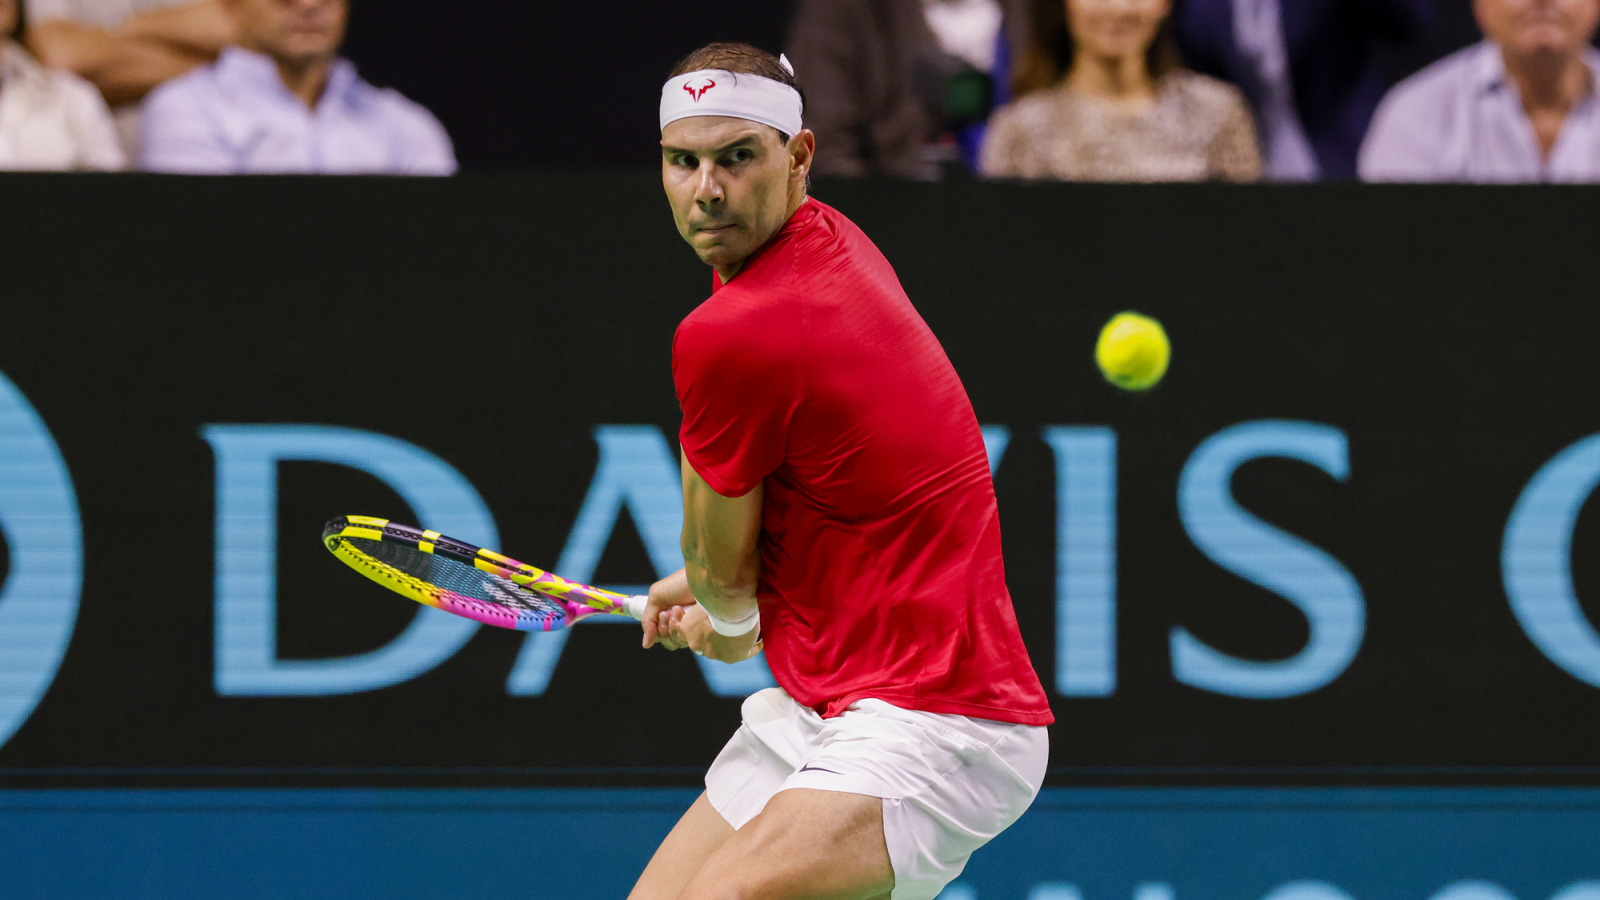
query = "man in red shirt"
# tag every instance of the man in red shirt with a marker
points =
(839, 515)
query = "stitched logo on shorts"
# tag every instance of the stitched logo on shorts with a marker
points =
(810, 768)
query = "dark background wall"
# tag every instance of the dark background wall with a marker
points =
(568, 84)
(453, 314)
(575, 85)
(1446, 334)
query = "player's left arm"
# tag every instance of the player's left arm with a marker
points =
(722, 566)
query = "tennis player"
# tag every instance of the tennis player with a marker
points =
(839, 513)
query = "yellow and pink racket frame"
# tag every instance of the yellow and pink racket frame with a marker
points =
(578, 600)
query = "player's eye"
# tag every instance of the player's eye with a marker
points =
(685, 160)
(743, 154)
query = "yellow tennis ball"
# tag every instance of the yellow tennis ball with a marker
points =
(1132, 351)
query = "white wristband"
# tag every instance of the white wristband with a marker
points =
(749, 623)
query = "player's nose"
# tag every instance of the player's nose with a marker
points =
(707, 189)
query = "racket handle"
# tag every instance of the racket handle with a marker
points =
(635, 606)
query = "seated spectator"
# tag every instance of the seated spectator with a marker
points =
(903, 87)
(49, 119)
(1520, 106)
(127, 47)
(1101, 97)
(284, 101)
(1307, 68)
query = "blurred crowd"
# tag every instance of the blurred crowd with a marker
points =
(1193, 90)
(200, 86)
(1075, 90)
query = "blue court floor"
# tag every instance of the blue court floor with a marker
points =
(1101, 844)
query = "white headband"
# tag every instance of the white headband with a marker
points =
(717, 92)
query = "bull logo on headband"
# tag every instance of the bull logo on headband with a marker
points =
(698, 87)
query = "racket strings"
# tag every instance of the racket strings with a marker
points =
(458, 583)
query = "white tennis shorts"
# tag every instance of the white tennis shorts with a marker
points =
(949, 783)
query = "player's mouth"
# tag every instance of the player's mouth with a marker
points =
(715, 230)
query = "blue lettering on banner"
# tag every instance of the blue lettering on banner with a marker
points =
(1308, 890)
(636, 470)
(1054, 890)
(1086, 559)
(1063, 890)
(39, 516)
(995, 440)
(1312, 580)
(246, 556)
(1473, 889)
(1536, 560)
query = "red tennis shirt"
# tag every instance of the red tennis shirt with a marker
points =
(881, 573)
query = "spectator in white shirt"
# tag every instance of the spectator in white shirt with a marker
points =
(49, 119)
(1521, 106)
(284, 101)
(127, 47)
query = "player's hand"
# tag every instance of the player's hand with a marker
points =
(692, 627)
(669, 594)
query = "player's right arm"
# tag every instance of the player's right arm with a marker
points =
(722, 560)
(738, 369)
(722, 567)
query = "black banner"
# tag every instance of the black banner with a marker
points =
(1328, 548)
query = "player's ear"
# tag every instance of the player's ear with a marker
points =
(802, 151)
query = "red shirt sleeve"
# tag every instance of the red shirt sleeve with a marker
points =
(739, 373)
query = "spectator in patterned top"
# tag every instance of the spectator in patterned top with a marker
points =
(283, 100)
(49, 119)
(1101, 97)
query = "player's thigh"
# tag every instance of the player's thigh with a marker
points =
(692, 841)
(827, 845)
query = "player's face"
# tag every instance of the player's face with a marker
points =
(1115, 29)
(729, 184)
(1527, 28)
(297, 30)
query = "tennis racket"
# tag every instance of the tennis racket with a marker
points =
(469, 581)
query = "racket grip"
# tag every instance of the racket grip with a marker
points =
(635, 606)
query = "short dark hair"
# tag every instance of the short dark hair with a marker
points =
(741, 58)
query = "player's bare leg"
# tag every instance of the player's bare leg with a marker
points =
(696, 836)
(826, 845)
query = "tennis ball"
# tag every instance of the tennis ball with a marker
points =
(1132, 351)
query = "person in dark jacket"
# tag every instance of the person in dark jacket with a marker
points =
(903, 87)
(1307, 68)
